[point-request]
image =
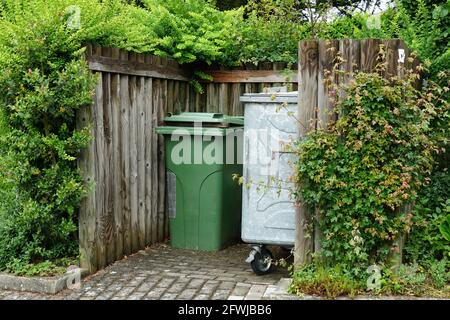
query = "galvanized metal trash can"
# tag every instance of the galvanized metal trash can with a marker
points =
(268, 212)
(204, 203)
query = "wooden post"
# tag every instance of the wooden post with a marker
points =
(307, 105)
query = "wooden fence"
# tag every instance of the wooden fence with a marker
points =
(125, 209)
(124, 165)
(316, 57)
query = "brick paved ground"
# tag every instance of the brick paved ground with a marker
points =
(161, 272)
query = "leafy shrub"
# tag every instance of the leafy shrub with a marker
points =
(426, 243)
(323, 281)
(270, 31)
(191, 30)
(439, 272)
(42, 269)
(417, 280)
(444, 227)
(42, 84)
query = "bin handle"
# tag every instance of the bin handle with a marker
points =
(246, 147)
(246, 162)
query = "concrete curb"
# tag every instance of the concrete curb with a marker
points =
(47, 285)
(279, 291)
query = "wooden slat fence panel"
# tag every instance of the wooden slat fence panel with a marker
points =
(124, 210)
(315, 76)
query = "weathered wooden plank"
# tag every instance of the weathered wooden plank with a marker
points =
(211, 98)
(141, 164)
(203, 100)
(116, 156)
(223, 98)
(249, 87)
(351, 58)
(163, 219)
(155, 160)
(108, 224)
(133, 159)
(327, 78)
(100, 175)
(280, 66)
(264, 86)
(235, 103)
(308, 85)
(187, 90)
(171, 99)
(370, 49)
(125, 159)
(135, 68)
(87, 211)
(174, 97)
(148, 140)
(391, 56)
(251, 76)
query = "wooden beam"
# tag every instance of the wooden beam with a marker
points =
(136, 68)
(252, 76)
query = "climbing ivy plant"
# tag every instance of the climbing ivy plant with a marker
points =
(369, 163)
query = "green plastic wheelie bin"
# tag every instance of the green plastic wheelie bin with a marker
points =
(202, 153)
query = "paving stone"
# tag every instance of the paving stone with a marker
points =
(187, 294)
(209, 288)
(169, 296)
(195, 283)
(255, 292)
(221, 294)
(146, 286)
(226, 279)
(240, 290)
(105, 295)
(227, 285)
(156, 292)
(136, 296)
(164, 283)
(202, 297)
(177, 288)
(201, 276)
(124, 292)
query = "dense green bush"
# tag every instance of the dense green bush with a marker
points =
(425, 243)
(191, 30)
(43, 81)
(270, 31)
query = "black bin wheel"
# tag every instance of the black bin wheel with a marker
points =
(263, 262)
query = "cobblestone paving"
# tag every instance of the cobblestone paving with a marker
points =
(161, 272)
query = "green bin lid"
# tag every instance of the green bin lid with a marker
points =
(207, 119)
